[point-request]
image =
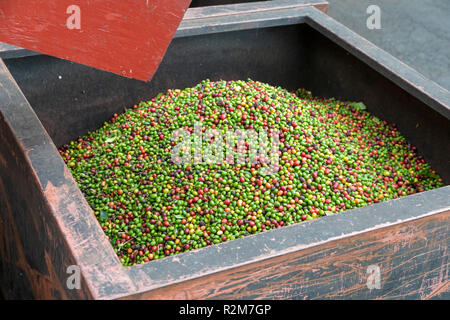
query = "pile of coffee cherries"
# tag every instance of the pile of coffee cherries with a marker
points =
(331, 156)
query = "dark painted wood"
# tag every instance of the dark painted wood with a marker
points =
(8, 51)
(412, 256)
(324, 258)
(237, 8)
(397, 93)
(33, 248)
(390, 67)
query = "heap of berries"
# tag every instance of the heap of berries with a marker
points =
(333, 156)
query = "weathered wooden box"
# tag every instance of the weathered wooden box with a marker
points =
(46, 225)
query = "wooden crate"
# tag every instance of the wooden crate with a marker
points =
(46, 224)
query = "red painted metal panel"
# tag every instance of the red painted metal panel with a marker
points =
(127, 37)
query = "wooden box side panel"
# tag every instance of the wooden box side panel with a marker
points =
(412, 257)
(34, 252)
(34, 255)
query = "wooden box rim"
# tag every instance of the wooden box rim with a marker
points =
(105, 276)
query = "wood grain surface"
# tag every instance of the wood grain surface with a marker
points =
(127, 37)
(413, 260)
(46, 224)
(34, 253)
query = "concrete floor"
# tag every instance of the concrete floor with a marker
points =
(415, 31)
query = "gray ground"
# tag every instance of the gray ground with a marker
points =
(415, 31)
